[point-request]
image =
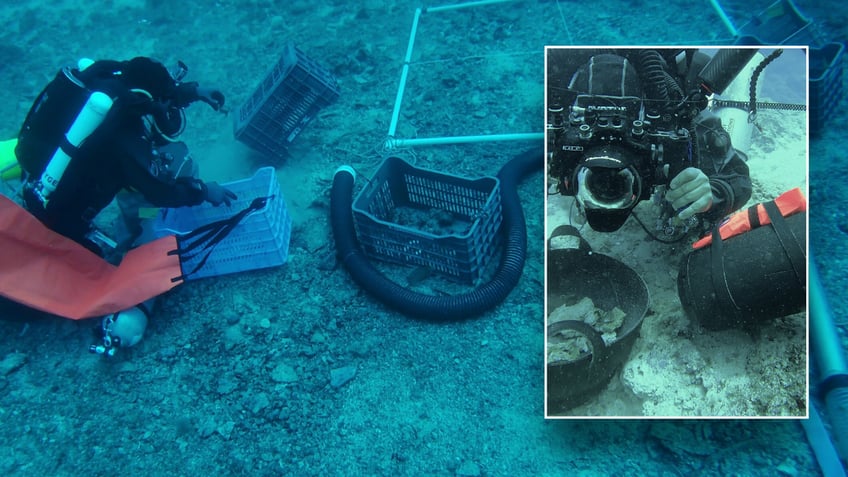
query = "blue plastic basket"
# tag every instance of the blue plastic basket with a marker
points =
(260, 240)
(461, 219)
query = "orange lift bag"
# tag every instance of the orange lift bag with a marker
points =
(788, 203)
(46, 271)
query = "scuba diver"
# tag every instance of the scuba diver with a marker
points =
(132, 144)
(626, 125)
(104, 127)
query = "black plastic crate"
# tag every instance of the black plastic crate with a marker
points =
(826, 89)
(421, 217)
(288, 98)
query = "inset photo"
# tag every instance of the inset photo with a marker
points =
(676, 232)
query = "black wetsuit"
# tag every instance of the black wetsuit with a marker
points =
(117, 155)
(724, 165)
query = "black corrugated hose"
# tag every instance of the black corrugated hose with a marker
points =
(430, 307)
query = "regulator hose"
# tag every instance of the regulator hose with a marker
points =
(652, 71)
(431, 307)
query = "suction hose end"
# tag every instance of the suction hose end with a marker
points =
(347, 169)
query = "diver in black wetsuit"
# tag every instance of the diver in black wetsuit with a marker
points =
(624, 124)
(135, 147)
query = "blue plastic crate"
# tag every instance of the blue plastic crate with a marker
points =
(283, 104)
(421, 217)
(260, 240)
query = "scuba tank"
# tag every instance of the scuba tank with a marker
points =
(88, 119)
(63, 115)
(736, 120)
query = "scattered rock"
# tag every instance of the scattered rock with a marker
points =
(233, 334)
(340, 376)
(681, 440)
(226, 385)
(226, 429)
(265, 323)
(12, 362)
(259, 402)
(360, 349)
(786, 468)
(206, 428)
(284, 373)
(168, 351)
(468, 469)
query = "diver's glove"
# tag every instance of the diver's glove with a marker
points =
(212, 97)
(216, 194)
(690, 193)
(187, 93)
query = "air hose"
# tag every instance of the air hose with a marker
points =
(752, 106)
(652, 71)
(431, 307)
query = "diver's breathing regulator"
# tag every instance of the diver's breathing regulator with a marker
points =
(123, 329)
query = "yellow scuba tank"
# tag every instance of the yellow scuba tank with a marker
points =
(9, 167)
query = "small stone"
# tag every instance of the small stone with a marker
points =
(226, 429)
(233, 334)
(468, 469)
(284, 373)
(265, 323)
(786, 468)
(259, 403)
(206, 428)
(12, 362)
(340, 376)
(360, 349)
(233, 318)
(318, 337)
(226, 385)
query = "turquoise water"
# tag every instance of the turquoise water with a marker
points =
(233, 377)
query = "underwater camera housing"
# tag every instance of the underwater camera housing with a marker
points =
(610, 153)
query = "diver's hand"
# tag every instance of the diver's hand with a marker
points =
(690, 193)
(212, 97)
(216, 194)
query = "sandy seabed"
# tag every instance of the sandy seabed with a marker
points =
(233, 377)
